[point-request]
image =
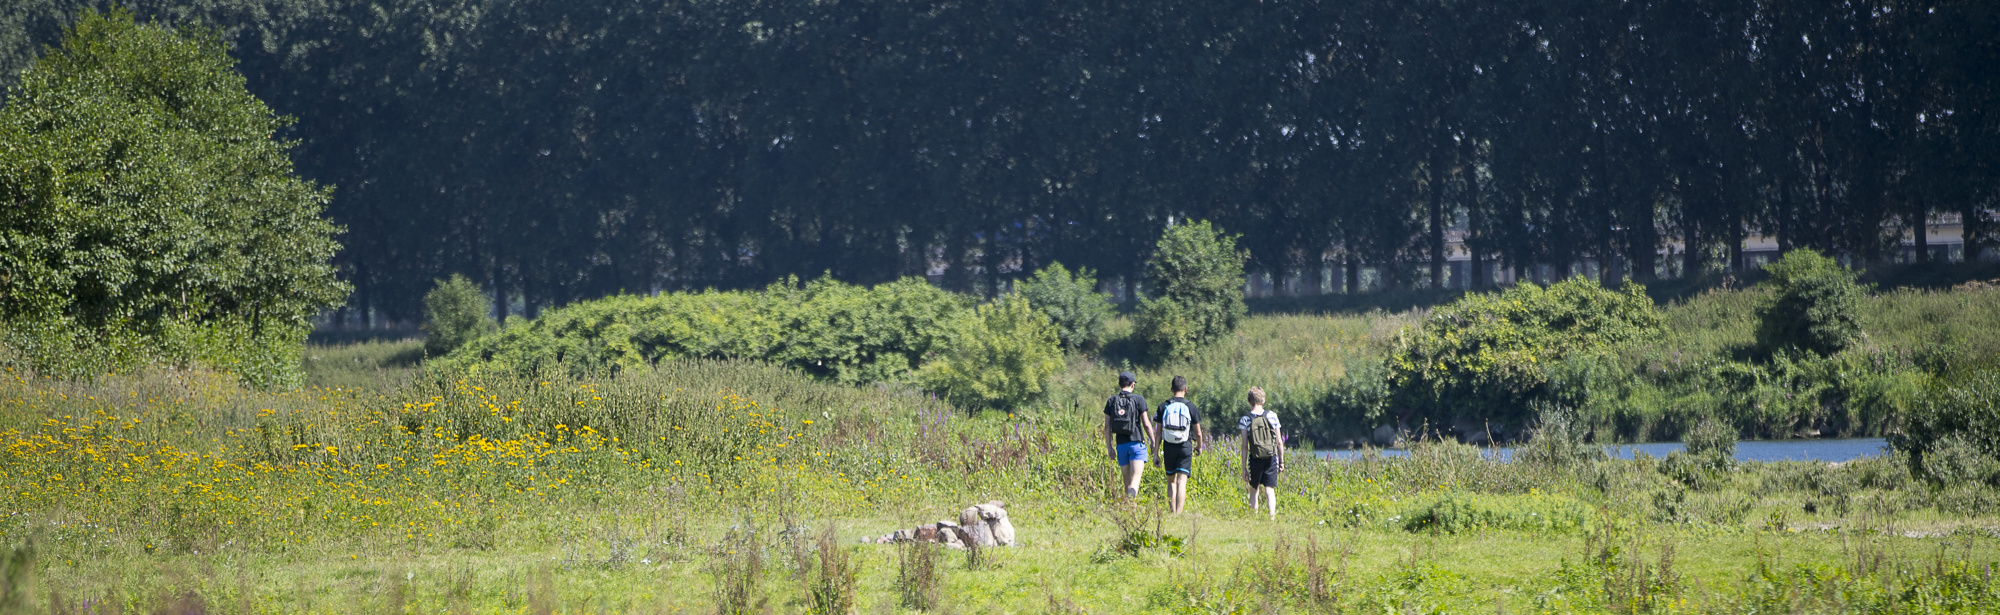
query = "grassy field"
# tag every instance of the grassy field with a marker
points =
(384, 489)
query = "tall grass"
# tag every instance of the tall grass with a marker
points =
(377, 365)
(518, 493)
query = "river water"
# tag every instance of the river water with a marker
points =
(1842, 449)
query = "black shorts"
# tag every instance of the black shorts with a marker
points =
(1178, 457)
(1264, 472)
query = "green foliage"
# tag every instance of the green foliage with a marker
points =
(1488, 355)
(561, 467)
(151, 206)
(1195, 278)
(1457, 512)
(1001, 355)
(1558, 441)
(455, 312)
(402, 98)
(375, 364)
(1071, 302)
(848, 333)
(1712, 442)
(1814, 305)
(1953, 434)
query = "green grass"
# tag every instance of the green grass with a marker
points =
(508, 495)
(386, 490)
(1722, 322)
(375, 364)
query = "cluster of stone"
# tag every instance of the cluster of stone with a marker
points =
(984, 525)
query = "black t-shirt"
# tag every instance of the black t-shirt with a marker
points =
(1160, 419)
(1139, 406)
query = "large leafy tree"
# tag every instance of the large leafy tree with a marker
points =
(145, 192)
(554, 150)
(1195, 281)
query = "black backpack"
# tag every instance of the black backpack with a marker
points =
(1123, 412)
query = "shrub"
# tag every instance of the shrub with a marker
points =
(1071, 302)
(1691, 471)
(826, 328)
(1814, 305)
(1195, 277)
(836, 581)
(151, 214)
(1558, 441)
(1954, 459)
(737, 566)
(918, 582)
(1458, 512)
(1713, 443)
(455, 312)
(1001, 355)
(1953, 436)
(1488, 355)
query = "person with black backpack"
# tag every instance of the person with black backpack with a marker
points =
(1263, 452)
(1180, 438)
(1126, 426)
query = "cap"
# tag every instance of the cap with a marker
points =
(1126, 379)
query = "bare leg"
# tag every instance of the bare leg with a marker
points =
(1177, 493)
(1132, 472)
(1271, 498)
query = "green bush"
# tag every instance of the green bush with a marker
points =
(1001, 356)
(1457, 512)
(1713, 443)
(1195, 281)
(1656, 395)
(1558, 441)
(1488, 356)
(1814, 305)
(1071, 302)
(266, 359)
(151, 213)
(826, 328)
(1953, 435)
(1691, 471)
(455, 312)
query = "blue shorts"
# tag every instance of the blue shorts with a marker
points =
(1129, 452)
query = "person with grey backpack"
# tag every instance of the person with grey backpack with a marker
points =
(1263, 452)
(1181, 438)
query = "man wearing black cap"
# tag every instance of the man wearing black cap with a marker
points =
(1126, 426)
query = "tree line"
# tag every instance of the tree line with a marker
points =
(554, 150)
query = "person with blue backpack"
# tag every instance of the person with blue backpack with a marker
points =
(1180, 435)
(1126, 430)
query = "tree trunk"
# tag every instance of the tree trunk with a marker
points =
(1605, 259)
(1920, 233)
(991, 256)
(499, 295)
(1782, 199)
(1437, 217)
(1353, 275)
(1690, 245)
(1643, 247)
(1972, 218)
(1475, 270)
(1736, 246)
